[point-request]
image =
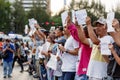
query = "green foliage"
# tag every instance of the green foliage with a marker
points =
(5, 16)
(57, 20)
(39, 14)
(117, 12)
(19, 17)
(94, 10)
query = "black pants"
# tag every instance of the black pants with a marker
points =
(116, 78)
(16, 58)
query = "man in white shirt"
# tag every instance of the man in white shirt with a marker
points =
(97, 68)
(69, 56)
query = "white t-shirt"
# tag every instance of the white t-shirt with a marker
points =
(69, 60)
(97, 66)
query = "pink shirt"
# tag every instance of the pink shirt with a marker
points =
(84, 60)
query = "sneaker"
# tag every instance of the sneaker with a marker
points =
(9, 76)
(35, 76)
(4, 77)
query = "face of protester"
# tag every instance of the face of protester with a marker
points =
(7, 42)
(58, 33)
(66, 31)
(48, 39)
(101, 29)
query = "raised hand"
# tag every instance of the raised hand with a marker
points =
(110, 46)
(115, 24)
(88, 21)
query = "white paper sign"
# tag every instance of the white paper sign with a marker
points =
(110, 17)
(52, 28)
(32, 31)
(105, 49)
(58, 51)
(40, 50)
(52, 63)
(32, 22)
(81, 16)
(64, 16)
(104, 43)
(46, 46)
(73, 16)
(26, 29)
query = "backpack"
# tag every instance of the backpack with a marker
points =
(113, 68)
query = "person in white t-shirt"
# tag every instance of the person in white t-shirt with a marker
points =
(97, 68)
(69, 56)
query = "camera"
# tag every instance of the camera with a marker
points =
(8, 45)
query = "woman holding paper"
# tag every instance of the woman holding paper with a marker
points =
(52, 50)
(115, 50)
(116, 33)
(85, 53)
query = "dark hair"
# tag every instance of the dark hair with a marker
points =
(1, 39)
(52, 37)
(7, 40)
(60, 28)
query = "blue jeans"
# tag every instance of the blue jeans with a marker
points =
(7, 67)
(68, 75)
(43, 74)
(81, 77)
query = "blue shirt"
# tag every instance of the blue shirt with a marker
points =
(10, 54)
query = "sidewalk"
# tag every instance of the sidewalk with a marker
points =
(16, 75)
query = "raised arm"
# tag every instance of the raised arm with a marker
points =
(91, 32)
(117, 58)
(116, 34)
(39, 33)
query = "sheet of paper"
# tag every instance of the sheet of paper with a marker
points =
(104, 43)
(73, 16)
(58, 51)
(46, 46)
(110, 17)
(105, 49)
(81, 16)
(26, 29)
(63, 17)
(52, 63)
(40, 48)
(109, 27)
(52, 28)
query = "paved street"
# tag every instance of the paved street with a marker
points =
(16, 75)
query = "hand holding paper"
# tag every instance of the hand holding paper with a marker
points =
(115, 24)
(32, 23)
(52, 63)
(88, 21)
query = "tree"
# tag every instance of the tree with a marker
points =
(94, 10)
(5, 16)
(19, 17)
(40, 14)
(57, 20)
(117, 11)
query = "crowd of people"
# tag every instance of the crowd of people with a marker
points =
(81, 52)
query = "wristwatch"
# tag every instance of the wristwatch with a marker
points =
(67, 51)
